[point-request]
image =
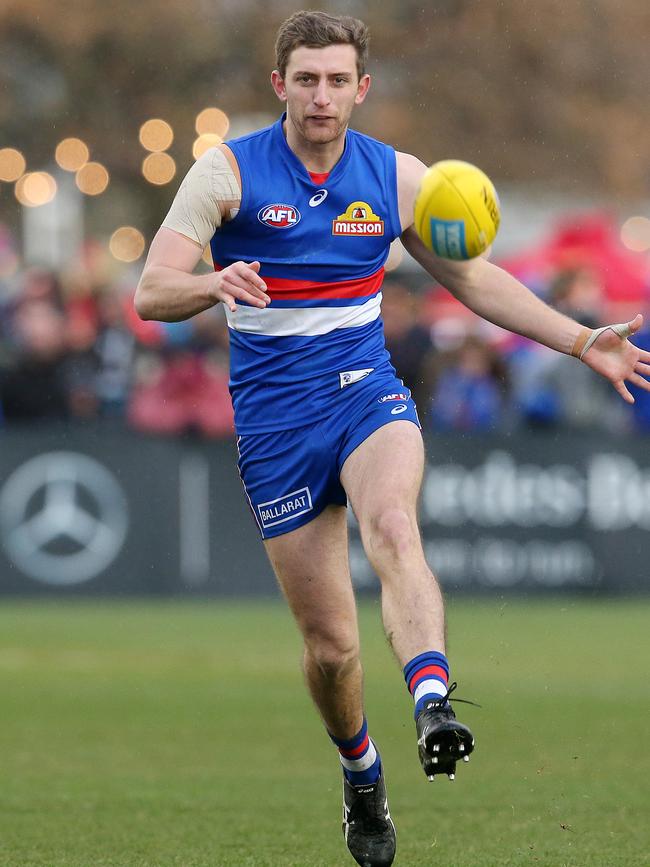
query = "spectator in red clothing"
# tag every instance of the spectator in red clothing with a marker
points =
(185, 392)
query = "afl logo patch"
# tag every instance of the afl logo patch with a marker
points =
(279, 216)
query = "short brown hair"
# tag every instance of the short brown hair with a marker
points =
(317, 30)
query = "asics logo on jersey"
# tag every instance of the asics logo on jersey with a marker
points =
(279, 216)
(317, 198)
(358, 219)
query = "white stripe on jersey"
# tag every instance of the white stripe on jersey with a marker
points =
(302, 321)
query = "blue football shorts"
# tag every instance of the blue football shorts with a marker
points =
(290, 476)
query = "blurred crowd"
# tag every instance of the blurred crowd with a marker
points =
(72, 348)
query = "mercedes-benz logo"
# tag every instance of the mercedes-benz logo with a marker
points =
(63, 518)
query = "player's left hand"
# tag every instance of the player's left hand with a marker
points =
(615, 358)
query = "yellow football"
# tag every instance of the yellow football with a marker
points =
(456, 210)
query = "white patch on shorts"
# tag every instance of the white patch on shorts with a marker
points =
(285, 508)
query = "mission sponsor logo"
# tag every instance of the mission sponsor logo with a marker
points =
(279, 216)
(397, 396)
(285, 508)
(358, 219)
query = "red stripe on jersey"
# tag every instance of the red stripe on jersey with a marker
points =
(357, 751)
(282, 289)
(285, 290)
(319, 177)
(430, 670)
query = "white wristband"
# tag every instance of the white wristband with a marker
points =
(622, 330)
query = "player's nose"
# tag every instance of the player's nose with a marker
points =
(321, 95)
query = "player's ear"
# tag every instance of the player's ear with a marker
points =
(362, 88)
(277, 83)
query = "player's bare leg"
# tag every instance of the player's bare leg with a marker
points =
(382, 478)
(311, 564)
(312, 567)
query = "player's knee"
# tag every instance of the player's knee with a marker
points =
(391, 532)
(334, 655)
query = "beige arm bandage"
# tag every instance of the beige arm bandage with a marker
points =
(209, 190)
(587, 337)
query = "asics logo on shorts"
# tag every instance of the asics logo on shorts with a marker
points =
(396, 410)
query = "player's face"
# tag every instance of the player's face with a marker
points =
(321, 87)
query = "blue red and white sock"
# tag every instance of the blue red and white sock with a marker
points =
(360, 758)
(427, 677)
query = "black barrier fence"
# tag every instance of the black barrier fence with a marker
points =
(93, 511)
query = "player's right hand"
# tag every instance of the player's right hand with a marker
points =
(240, 281)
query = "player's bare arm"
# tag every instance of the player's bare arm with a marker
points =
(168, 289)
(500, 298)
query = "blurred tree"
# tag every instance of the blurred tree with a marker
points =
(553, 92)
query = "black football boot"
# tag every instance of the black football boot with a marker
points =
(367, 826)
(442, 740)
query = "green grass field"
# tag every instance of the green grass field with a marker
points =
(159, 734)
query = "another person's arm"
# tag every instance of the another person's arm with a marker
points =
(168, 289)
(500, 298)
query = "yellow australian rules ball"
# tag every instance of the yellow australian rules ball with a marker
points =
(457, 211)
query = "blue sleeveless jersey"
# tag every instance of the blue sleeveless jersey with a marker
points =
(322, 249)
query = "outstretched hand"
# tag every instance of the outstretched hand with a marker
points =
(615, 358)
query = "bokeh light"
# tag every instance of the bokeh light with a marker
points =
(12, 164)
(35, 188)
(92, 179)
(126, 244)
(204, 143)
(158, 168)
(212, 121)
(71, 154)
(635, 234)
(156, 135)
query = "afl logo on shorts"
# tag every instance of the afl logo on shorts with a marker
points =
(397, 395)
(279, 216)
